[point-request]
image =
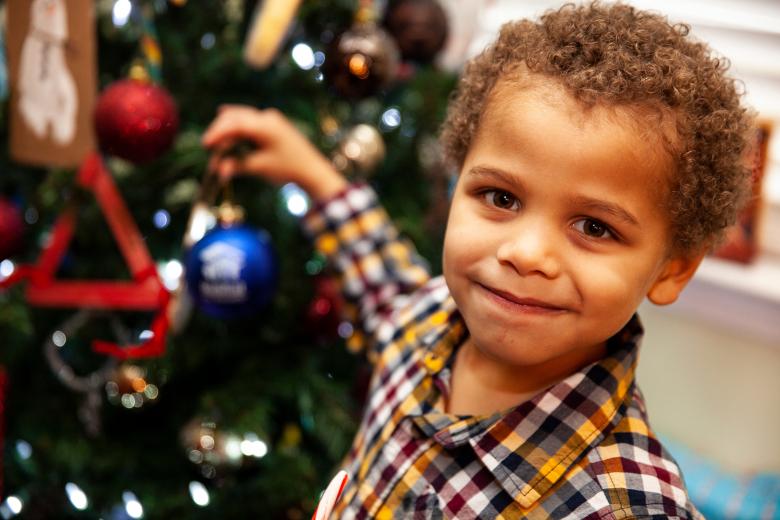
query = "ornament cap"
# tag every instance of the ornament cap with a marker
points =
(229, 214)
(365, 15)
(139, 73)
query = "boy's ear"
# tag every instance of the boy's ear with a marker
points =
(673, 278)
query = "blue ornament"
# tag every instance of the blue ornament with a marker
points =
(232, 271)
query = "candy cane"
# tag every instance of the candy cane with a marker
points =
(330, 496)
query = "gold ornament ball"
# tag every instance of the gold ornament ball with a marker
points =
(360, 151)
(362, 61)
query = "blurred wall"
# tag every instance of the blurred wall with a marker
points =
(712, 388)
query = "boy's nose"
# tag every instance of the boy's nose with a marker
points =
(530, 250)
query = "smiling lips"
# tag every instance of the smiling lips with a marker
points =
(521, 304)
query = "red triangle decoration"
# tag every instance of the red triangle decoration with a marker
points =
(144, 293)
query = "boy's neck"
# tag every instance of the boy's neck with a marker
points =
(483, 385)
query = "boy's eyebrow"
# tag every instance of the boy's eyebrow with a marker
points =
(577, 200)
(605, 207)
(493, 173)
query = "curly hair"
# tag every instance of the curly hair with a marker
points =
(616, 55)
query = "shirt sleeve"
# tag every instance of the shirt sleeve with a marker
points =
(376, 268)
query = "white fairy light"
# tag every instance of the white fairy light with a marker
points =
(13, 505)
(7, 268)
(133, 507)
(391, 118)
(59, 338)
(170, 272)
(233, 447)
(295, 198)
(303, 55)
(199, 493)
(151, 391)
(252, 446)
(120, 14)
(76, 496)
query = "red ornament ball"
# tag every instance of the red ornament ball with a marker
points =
(135, 120)
(11, 229)
(325, 312)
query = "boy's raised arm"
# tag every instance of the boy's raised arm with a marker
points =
(374, 265)
(281, 154)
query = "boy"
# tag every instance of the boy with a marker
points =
(600, 156)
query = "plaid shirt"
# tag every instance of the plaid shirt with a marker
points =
(581, 449)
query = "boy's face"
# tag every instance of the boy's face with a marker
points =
(557, 229)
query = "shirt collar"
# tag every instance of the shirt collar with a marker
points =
(533, 445)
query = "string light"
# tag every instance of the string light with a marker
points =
(295, 199)
(59, 338)
(76, 496)
(170, 273)
(391, 118)
(233, 447)
(24, 449)
(133, 507)
(303, 56)
(12, 506)
(199, 493)
(120, 13)
(345, 329)
(208, 40)
(7, 268)
(252, 446)
(161, 218)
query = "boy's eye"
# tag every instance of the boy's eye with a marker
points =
(593, 228)
(502, 199)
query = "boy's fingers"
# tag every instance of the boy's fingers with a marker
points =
(252, 164)
(231, 106)
(235, 125)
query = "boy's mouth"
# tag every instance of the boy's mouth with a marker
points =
(524, 303)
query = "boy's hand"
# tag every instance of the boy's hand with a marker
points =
(280, 153)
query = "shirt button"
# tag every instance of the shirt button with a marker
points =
(433, 363)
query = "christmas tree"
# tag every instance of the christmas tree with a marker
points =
(240, 416)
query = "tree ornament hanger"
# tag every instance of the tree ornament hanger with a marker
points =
(204, 213)
(90, 384)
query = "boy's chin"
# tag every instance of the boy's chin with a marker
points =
(563, 357)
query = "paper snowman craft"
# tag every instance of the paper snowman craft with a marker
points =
(47, 90)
